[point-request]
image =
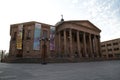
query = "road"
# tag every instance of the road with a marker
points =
(104, 70)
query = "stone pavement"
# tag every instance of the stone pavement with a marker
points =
(104, 70)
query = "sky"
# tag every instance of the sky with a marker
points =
(105, 14)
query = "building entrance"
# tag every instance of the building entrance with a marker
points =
(44, 54)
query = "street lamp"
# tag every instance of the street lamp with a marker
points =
(43, 58)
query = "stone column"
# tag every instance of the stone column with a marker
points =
(84, 41)
(93, 51)
(99, 46)
(91, 48)
(96, 41)
(71, 49)
(94, 46)
(78, 43)
(65, 48)
(59, 43)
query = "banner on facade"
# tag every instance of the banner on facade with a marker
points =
(37, 34)
(52, 38)
(19, 36)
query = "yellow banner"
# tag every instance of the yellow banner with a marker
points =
(19, 37)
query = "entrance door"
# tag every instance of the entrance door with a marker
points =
(44, 54)
(44, 51)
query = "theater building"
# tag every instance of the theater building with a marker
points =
(75, 39)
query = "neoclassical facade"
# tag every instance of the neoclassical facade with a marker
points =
(75, 39)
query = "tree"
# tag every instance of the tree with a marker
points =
(2, 53)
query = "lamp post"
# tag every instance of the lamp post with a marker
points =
(44, 50)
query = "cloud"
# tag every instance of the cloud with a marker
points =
(74, 1)
(102, 14)
(105, 14)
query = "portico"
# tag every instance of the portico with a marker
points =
(76, 42)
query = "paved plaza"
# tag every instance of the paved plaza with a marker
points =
(104, 70)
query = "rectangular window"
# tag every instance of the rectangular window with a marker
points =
(28, 35)
(45, 34)
(117, 55)
(116, 49)
(109, 50)
(110, 55)
(108, 44)
(102, 45)
(115, 43)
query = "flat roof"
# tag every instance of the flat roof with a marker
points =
(110, 40)
(31, 22)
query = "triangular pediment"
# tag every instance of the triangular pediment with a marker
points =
(84, 23)
(87, 24)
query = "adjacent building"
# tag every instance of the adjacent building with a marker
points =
(111, 48)
(65, 40)
(25, 39)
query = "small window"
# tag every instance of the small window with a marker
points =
(45, 34)
(115, 43)
(28, 35)
(102, 45)
(108, 44)
(116, 49)
(117, 55)
(110, 55)
(109, 50)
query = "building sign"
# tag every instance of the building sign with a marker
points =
(37, 32)
(19, 36)
(52, 38)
